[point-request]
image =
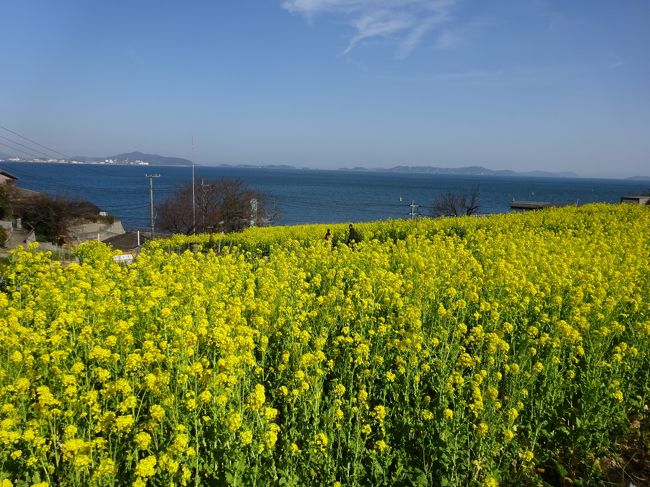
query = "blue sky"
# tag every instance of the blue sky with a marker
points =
(520, 84)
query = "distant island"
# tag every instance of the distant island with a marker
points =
(468, 171)
(261, 166)
(126, 159)
(457, 171)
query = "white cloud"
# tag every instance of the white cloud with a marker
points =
(404, 22)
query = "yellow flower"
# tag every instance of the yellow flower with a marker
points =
(294, 449)
(82, 461)
(381, 445)
(513, 413)
(234, 421)
(16, 357)
(146, 467)
(124, 422)
(205, 396)
(490, 482)
(271, 435)
(70, 431)
(181, 441)
(379, 413)
(482, 430)
(270, 413)
(157, 412)
(129, 403)
(106, 468)
(142, 440)
(527, 456)
(258, 397)
(321, 440)
(246, 437)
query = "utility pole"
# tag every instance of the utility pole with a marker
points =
(151, 176)
(412, 212)
(253, 212)
(193, 195)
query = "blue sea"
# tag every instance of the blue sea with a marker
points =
(310, 196)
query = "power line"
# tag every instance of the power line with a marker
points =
(22, 151)
(34, 142)
(26, 147)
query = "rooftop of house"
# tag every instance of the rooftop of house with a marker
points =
(5, 175)
(126, 241)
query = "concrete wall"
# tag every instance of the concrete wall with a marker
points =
(115, 227)
(90, 231)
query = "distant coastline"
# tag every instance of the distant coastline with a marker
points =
(126, 159)
(143, 159)
(452, 171)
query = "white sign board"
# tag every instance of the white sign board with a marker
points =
(123, 258)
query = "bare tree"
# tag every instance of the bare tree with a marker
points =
(456, 204)
(222, 205)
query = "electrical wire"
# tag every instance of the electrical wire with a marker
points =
(34, 142)
(19, 150)
(26, 147)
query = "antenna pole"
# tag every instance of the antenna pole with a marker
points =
(193, 194)
(151, 176)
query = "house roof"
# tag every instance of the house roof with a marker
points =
(7, 175)
(126, 241)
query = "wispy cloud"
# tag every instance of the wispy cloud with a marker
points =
(404, 22)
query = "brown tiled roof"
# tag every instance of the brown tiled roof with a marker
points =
(126, 241)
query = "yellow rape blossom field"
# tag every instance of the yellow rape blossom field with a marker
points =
(502, 350)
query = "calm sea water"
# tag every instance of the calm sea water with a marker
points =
(310, 196)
